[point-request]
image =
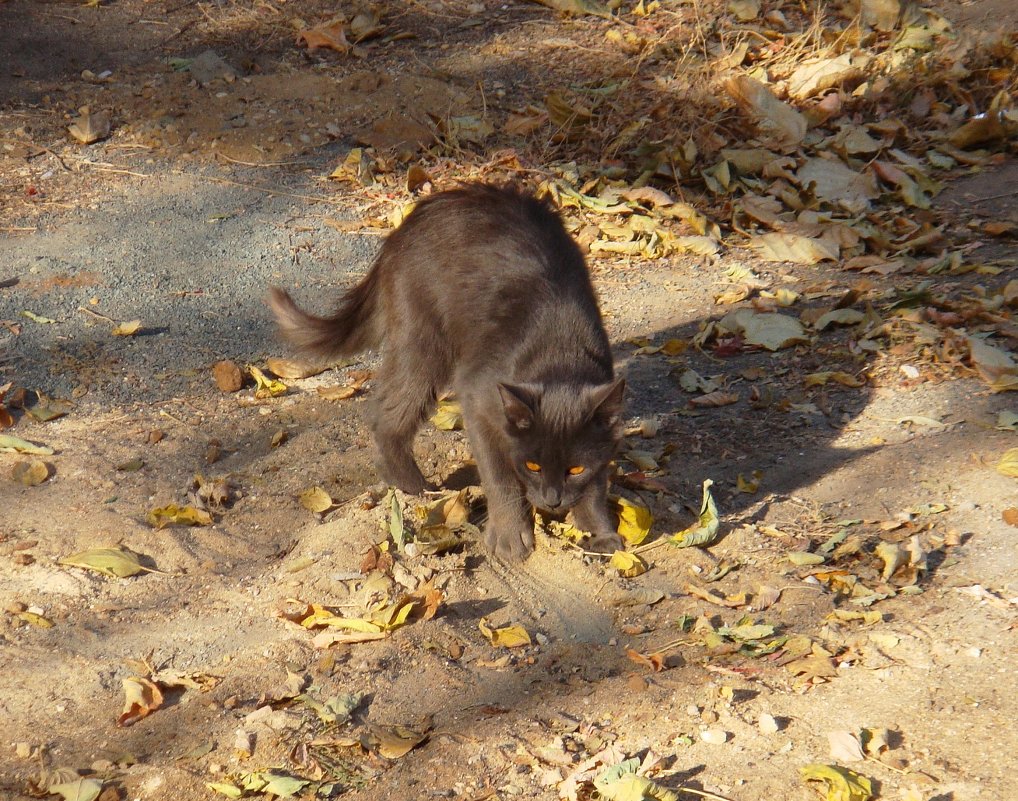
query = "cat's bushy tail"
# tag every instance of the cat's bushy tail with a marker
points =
(352, 328)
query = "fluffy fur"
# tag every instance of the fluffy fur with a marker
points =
(483, 291)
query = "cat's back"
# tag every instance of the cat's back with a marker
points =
(487, 235)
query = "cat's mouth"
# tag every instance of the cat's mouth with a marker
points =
(556, 513)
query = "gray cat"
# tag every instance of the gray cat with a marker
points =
(483, 291)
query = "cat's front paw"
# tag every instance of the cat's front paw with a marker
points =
(607, 542)
(509, 545)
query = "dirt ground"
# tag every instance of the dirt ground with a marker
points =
(204, 192)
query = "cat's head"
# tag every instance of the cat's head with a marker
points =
(562, 436)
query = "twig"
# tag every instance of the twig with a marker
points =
(1009, 193)
(15, 228)
(101, 167)
(702, 793)
(45, 149)
(263, 163)
(270, 191)
(96, 314)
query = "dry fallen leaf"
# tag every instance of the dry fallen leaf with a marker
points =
(90, 127)
(265, 386)
(174, 515)
(332, 37)
(113, 562)
(142, 698)
(288, 368)
(78, 789)
(128, 329)
(842, 784)
(635, 521)
(1008, 464)
(30, 473)
(845, 747)
(705, 530)
(393, 742)
(448, 416)
(777, 121)
(628, 564)
(655, 662)
(505, 637)
(316, 500)
(12, 444)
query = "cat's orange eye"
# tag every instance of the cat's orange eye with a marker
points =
(575, 471)
(533, 467)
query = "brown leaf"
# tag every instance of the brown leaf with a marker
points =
(777, 121)
(88, 127)
(714, 399)
(142, 697)
(655, 662)
(332, 37)
(288, 368)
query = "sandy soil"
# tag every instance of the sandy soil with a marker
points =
(204, 195)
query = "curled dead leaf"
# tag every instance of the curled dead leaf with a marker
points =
(142, 698)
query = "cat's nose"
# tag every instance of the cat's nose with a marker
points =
(551, 499)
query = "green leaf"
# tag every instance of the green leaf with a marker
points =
(705, 530)
(282, 785)
(114, 562)
(842, 784)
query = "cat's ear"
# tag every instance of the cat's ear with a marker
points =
(607, 402)
(519, 403)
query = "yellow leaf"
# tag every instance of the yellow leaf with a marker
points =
(506, 637)
(33, 619)
(628, 564)
(1008, 464)
(12, 444)
(174, 515)
(265, 386)
(448, 416)
(842, 784)
(634, 522)
(749, 486)
(115, 562)
(128, 329)
(30, 473)
(316, 500)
